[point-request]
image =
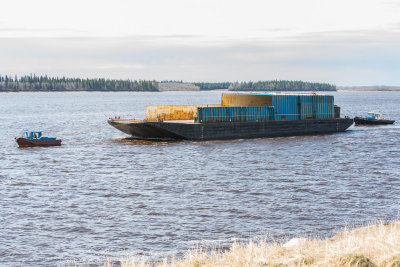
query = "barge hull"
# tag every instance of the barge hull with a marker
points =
(189, 130)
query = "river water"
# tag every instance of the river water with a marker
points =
(100, 196)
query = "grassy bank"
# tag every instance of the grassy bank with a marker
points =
(375, 245)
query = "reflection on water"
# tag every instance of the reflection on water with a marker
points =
(102, 193)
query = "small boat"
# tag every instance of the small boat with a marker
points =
(372, 118)
(31, 139)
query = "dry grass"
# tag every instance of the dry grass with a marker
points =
(375, 245)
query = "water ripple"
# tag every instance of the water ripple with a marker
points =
(103, 194)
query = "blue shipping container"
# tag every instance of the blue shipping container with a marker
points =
(284, 107)
(231, 114)
(295, 107)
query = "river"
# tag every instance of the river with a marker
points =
(100, 195)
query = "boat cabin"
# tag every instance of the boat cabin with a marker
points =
(32, 135)
(374, 116)
(36, 136)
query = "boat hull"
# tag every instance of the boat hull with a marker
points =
(189, 130)
(25, 142)
(364, 121)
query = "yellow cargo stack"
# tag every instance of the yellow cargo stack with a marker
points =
(246, 100)
(173, 112)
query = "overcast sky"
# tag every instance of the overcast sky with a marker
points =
(346, 42)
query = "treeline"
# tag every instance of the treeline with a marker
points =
(213, 86)
(45, 83)
(281, 85)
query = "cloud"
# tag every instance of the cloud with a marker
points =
(25, 32)
(340, 57)
(120, 66)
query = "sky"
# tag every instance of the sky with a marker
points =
(345, 42)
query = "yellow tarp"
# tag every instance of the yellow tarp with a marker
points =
(173, 112)
(246, 100)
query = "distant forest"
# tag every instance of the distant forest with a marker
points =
(274, 85)
(45, 83)
(283, 85)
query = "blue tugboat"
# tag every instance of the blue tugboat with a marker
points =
(372, 118)
(31, 139)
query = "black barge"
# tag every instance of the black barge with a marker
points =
(190, 130)
(240, 115)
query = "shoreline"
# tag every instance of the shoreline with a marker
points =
(221, 90)
(374, 245)
(152, 91)
(365, 91)
(348, 89)
(368, 88)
